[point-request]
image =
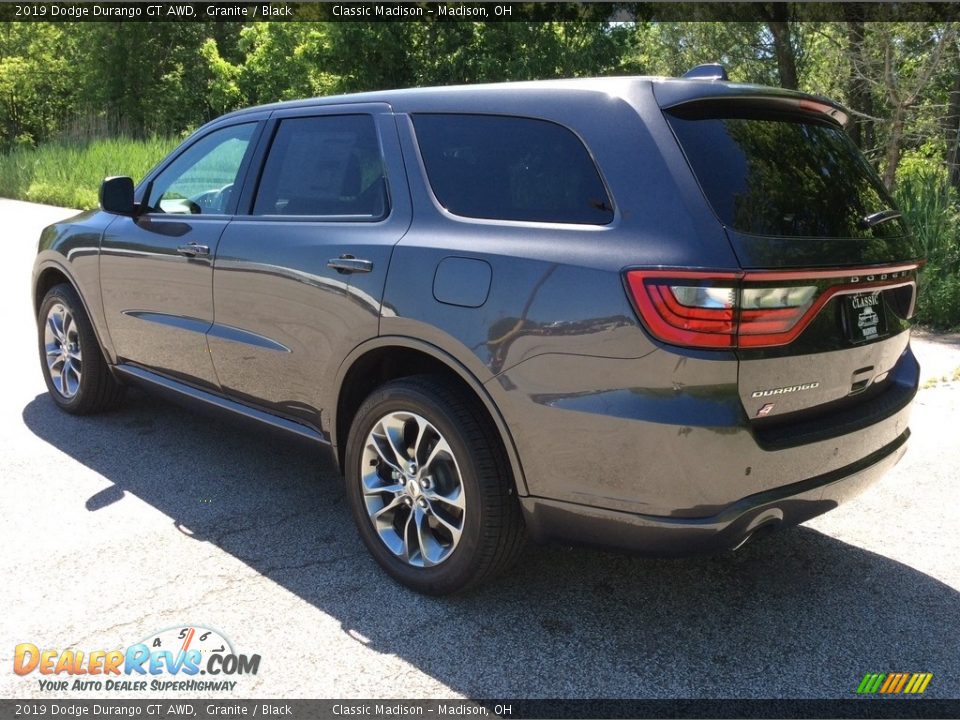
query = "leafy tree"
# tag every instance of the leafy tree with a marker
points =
(148, 77)
(36, 81)
(897, 62)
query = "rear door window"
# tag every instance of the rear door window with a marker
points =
(511, 168)
(327, 166)
(784, 175)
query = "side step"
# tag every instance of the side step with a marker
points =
(185, 394)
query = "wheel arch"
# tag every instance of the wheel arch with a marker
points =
(391, 357)
(50, 274)
(47, 277)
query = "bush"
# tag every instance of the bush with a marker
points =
(929, 204)
(938, 303)
(69, 173)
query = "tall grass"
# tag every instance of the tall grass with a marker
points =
(69, 173)
(930, 206)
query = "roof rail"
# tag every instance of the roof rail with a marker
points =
(710, 71)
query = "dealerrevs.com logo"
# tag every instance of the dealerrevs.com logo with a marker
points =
(172, 659)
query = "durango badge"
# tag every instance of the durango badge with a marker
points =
(784, 390)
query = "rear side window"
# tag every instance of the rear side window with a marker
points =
(783, 175)
(328, 166)
(511, 168)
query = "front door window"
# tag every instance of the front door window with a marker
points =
(202, 180)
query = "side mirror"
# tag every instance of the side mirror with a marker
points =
(116, 195)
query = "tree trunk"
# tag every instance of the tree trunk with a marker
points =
(783, 45)
(951, 130)
(858, 92)
(894, 147)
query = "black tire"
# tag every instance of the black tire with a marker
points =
(493, 532)
(93, 389)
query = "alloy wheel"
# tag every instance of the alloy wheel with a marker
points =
(61, 339)
(412, 489)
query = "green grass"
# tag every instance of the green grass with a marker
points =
(69, 173)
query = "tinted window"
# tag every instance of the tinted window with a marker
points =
(511, 168)
(784, 176)
(326, 166)
(202, 178)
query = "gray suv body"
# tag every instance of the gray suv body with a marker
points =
(656, 314)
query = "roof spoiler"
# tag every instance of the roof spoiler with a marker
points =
(719, 106)
(709, 71)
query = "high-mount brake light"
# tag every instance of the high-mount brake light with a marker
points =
(825, 109)
(745, 309)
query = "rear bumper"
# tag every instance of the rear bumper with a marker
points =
(606, 434)
(552, 520)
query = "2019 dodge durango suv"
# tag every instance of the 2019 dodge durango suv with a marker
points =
(657, 314)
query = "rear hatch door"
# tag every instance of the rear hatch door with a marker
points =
(829, 266)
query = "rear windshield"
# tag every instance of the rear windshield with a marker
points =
(511, 168)
(784, 175)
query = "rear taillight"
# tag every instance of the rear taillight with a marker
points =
(769, 315)
(687, 308)
(745, 309)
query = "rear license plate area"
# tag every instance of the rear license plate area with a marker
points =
(864, 317)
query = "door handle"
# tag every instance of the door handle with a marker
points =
(350, 264)
(193, 249)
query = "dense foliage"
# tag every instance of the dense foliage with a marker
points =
(67, 87)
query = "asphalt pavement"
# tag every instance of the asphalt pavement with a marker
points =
(117, 526)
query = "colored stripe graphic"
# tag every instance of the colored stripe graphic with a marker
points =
(870, 683)
(890, 682)
(894, 683)
(920, 682)
(897, 683)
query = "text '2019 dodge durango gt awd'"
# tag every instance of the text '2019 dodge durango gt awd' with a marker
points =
(658, 314)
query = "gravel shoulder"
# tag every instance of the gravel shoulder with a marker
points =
(939, 355)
